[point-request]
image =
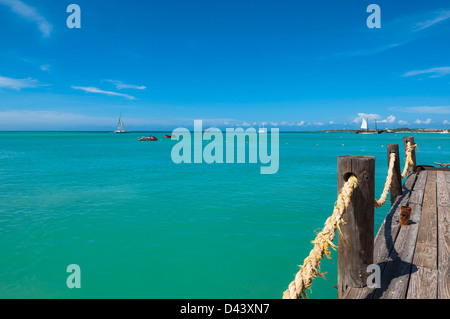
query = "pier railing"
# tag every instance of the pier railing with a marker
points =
(353, 218)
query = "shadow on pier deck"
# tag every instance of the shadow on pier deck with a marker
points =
(414, 258)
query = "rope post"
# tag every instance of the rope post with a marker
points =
(355, 244)
(410, 139)
(396, 184)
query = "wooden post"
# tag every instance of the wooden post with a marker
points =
(355, 249)
(396, 184)
(410, 139)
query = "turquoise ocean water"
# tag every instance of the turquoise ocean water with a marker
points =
(140, 226)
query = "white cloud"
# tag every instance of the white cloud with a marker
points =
(30, 14)
(446, 122)
(389, 119)
(402, 122)
(441, 16)
(97, 90)
(17, 84)
(435, 72)
(427, 121)
(301, 123)
(331, 122)
(366, 116)
(45, 67)
(120, 86)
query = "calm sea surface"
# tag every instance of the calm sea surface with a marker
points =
(140, 226)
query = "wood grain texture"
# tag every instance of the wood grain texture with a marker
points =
(423, 284)
(419, 187)
(355, 246)
(395, 276)
(444, 235)
(415, 259)
(426, 247)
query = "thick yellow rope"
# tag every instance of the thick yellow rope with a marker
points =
(387, 185)
(408, 160)
(310, 268)
(324, 239)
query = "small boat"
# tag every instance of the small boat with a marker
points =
(445, 132)
(120, 128)
(150, 138)
(169, 136)
(365, 130)
(262, 130)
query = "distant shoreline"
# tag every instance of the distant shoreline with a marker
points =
(396, 130)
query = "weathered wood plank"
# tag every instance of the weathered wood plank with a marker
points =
(419, 187)
(447, 176)
(443, 198)
(409, 183)
(357, 293)
(426, 247)
(423, 284)
(395, 276)
(444, 252)
(444, 238)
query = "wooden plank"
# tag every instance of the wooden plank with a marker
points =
(423, 284)
(395, 276)
(409, 183)
(426, 247)
(357, 293)
(443, 198)
(444, 237)
(447, 176)
(444, 252)
(419, 187)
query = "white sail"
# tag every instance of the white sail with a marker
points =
(120, 128)
(120, 125)
(364, 124)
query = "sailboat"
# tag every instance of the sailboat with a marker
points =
(120, 128)
(364, 128)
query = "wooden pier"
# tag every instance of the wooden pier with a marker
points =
(413, 258)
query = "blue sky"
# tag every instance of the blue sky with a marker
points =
(296, 65)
